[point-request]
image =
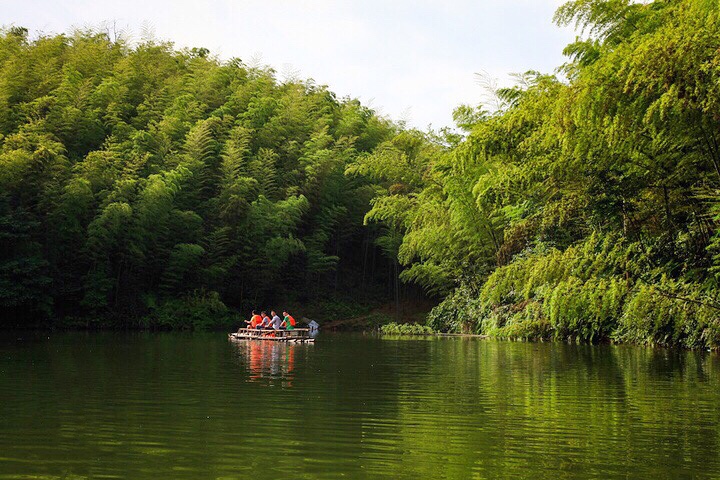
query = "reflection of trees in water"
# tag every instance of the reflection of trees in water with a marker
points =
(266, 360)
(583, 409)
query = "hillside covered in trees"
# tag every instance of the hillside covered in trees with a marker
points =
(142, 186)
(157, 187)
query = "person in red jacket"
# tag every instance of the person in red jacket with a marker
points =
(255, 320)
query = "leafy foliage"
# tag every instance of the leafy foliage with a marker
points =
(405, 329)
(583, 209)
(149, 182)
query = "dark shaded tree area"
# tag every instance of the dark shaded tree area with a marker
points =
(145, 186)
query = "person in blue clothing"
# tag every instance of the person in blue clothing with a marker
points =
(265, 321)
(313, 326)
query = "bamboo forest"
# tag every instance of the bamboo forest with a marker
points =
(144, 186)
(214, 266)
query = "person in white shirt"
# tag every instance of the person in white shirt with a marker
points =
(275, 321)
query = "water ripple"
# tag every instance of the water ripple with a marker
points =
(198, 406)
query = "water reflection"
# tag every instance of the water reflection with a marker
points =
(267, 362)
(176, 406)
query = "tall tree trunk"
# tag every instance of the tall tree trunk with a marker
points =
(366, 236)
(397, 290)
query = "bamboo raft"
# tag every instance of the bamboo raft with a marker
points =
(297, 335)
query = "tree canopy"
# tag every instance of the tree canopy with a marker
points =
(150, 182)
(142, 182)
(587, 206)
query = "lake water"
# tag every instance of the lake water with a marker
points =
(176, 406)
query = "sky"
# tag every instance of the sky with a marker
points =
(410, 60)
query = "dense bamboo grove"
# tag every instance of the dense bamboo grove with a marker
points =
(144, 186)
(163, 186)
(585, 208)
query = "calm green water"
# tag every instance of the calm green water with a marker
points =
(150, 406)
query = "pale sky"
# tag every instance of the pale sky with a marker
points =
(412, 60)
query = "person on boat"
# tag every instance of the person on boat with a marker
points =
(265, 321)
(255, 320)
(275, 322)
(288, 322)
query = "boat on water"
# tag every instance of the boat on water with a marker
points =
(296, 335)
